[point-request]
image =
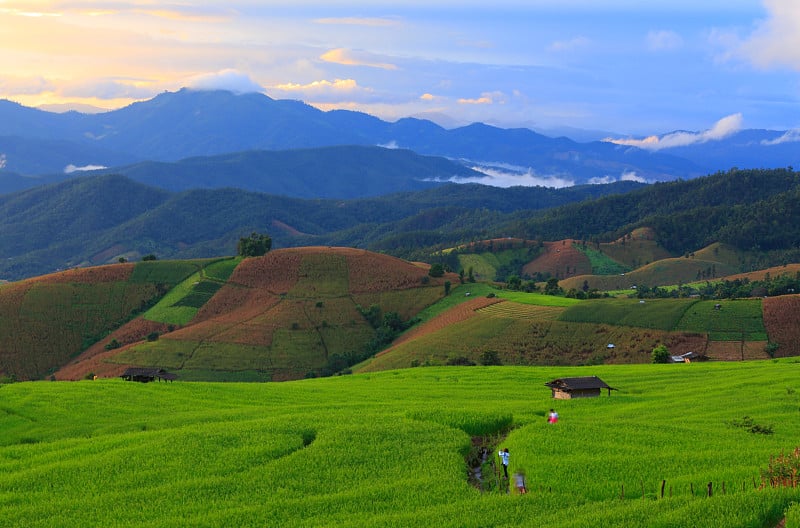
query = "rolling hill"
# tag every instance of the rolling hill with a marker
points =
(301, 312)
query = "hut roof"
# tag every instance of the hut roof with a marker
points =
(145, 372)
(582, 383)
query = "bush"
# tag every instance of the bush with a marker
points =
(660, 354)
(490, 357)
(460, 361)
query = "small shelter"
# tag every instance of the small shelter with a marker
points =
(144, 375)
(584, 387)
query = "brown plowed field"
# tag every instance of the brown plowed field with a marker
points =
(93, 275)
(559, 259)
(94, 358)
(456, 314)
(782, 321)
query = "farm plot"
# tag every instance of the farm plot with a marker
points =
(782, 322)
(388, 449)
(662, 314)
(515, 310)
(728, 320)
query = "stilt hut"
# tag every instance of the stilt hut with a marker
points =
(584, 387)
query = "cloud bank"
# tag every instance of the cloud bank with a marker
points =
(723, 128)
(513, 177)
(69, 169)
(790, 136)
(230, 80)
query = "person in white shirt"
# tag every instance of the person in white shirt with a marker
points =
(504, 454)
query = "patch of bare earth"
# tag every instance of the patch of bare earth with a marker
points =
(94, 359)
(782, 322)
(561, 260)
(454, 315)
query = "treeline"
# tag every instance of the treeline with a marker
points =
(52, 227)
(728, 289)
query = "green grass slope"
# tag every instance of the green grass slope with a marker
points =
(390, 449)
(290, 314)
(46, 321)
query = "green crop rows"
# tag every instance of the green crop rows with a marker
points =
(389, 449)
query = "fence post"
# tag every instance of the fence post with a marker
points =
(710, 486)
(663, 483)
(622, 495)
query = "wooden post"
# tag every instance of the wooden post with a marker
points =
(663, 483)
(710, 491)
(622, 495)
(691, 487)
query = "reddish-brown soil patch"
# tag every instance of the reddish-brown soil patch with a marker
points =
(736, 350)
(777, 271)
(782, 322)
(559, 259)
(93, 275)
(456, 314)
(93, 360)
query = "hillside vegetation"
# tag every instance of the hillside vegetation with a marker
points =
(667, 448)
(290, 314)
(304, 312)
(753, 211)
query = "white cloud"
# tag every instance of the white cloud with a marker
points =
(69, 169)
(497, 177)
(486, 98)
(24, 85)
(790, 136)
(230, 80)
(3, 161)
(776, 40)
(626, 175)
(663, 40)
(392, 145)
(324, 91)
(721, 129)
(352, 58)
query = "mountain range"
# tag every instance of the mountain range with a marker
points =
(215, 127)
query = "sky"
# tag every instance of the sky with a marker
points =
(627, 68)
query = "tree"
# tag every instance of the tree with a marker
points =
(149, 257)
(552, 287)
(437, 270)
(255, 245)
(660, 354)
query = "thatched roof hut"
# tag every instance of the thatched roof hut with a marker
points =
(144, 375)
(584, 387)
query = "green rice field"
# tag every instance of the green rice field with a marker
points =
(391, 449)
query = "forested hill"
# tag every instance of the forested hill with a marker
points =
(96, 220)
(750, 209)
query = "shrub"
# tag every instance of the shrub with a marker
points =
(460, 361)
(660, 354)
(490, 357)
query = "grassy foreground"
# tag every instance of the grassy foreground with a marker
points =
(387, 449)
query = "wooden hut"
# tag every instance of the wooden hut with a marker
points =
(584, 387)
(145, 375)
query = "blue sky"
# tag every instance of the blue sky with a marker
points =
(620, 66)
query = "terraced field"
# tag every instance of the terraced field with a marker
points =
(529, 312)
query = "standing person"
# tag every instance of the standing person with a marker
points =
(519, 481)
(553, 416)
(504, 454)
